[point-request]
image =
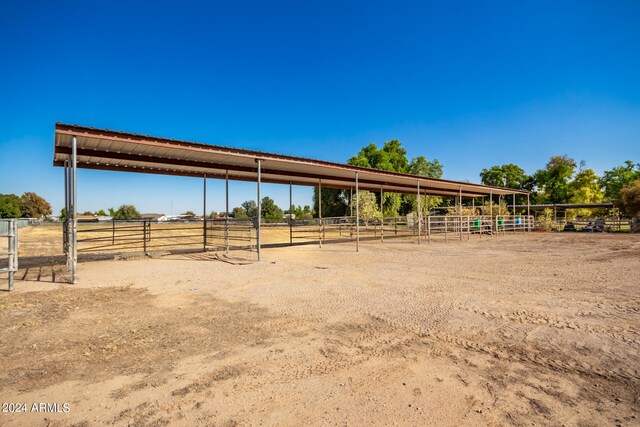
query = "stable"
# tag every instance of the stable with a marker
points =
(90, 148)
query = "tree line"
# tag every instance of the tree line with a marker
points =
(565, 181)
(29, 205)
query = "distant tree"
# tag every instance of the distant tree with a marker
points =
(552, 182)
(508, 176)
(250, 208)
(112, 212)
(240, 213)
(334, 202)
(585, 188)
(101, 212)
(421, 166)
(629, 199)
(368, 207)
(613, 180)
(10, 205)
(63, 214)
(34, 206)
(126, 212)
(87, 213)
(189, 214)
(270, 210)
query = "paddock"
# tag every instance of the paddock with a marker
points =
(538, 328)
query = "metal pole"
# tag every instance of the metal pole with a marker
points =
(351, 200)
(419, 213)
(226, 213)
(74, 161)
(528, 212)
(204, 213)
(259, 210)
(429, 228)
(290, 214)
(320, 212)
(382, 217)
(13, 249)
(357, 215)
(491, 211)
(460, 211)
(65, 236)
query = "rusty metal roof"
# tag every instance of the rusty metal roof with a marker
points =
(120, 151)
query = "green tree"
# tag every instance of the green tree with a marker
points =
(367, 204)
(189, 214)
(250, 208)
(101, 212)
(240, 213)
(112, 212)
(613, 180)
(629, 199)
(552, 183)
(10, 206)
(270, 210)
(508, 176)
(421, 166)
(334, 202)
(126, 212)
(585, 188)
(34, 206)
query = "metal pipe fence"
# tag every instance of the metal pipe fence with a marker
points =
(10, 231)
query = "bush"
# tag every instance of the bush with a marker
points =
(630, 199)
(126, 212)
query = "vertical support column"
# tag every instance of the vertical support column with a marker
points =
(460, 211)
(204, 213)
(13, 250)
(290, 214)
(419, 213)
(491, 211)
(259, 210)
(74, 204)
(65, 235)
(357, 215)
(351, 200)
(226, 212)
(529, 222)
(429, 228)
(320, 212)
(382, 217)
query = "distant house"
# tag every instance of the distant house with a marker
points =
(154, 217)
(104, 218)
(87, 218)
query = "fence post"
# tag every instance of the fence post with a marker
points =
(429, 228)
(144, 236)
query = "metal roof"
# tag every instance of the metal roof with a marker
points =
(120, 151)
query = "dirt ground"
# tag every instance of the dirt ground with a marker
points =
(538, 329)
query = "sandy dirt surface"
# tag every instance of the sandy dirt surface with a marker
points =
(539, 329)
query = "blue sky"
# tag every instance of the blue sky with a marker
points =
(472, 84)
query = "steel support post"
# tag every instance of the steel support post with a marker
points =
(65, 236)
(429, 228)
(290, 214)
(351, 200)
(320, 212)
(13, 249)
(381, 218)
(493, 232)
(74, 204)
(528, 213)
(259, 210)
(226, 212)
(357, 215)
(460, 211)
(419, 212)
(204, 213)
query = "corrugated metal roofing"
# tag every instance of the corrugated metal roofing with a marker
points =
(120, 151)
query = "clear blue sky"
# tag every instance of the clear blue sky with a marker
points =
(472, 84)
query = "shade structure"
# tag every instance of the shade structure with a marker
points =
(105, 149)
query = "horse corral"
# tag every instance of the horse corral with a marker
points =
(541, 328)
